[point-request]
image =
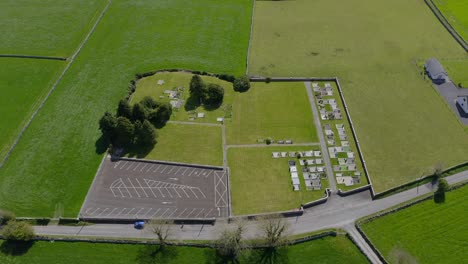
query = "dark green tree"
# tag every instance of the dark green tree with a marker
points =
(107, 125)
(241, 84)
(18, 231)
(149, 103)
(214, 95)
(439, 195)
(139, 112)
(145, 134)
(197, 87)
(6, 216)
(124, 132)
(124, 109)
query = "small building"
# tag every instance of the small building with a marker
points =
(462, 103)
(436, 72)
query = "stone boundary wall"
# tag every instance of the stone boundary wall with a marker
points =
(447, 24)
(360, 249)
(250, 37)
(401, 187)
(354, 191)
(21, 56)
(319, 201)
(186, 221)
(154, 241)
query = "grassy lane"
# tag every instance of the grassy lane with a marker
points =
(260, 183)
(424, 233)
(326, 250)
(23, 85)
(55, 161)
(277, 110)
(47, 27)
(403, 125)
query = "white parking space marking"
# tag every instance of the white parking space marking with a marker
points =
(137, 213)
(124, 164)
(148, 211)
(105, 209)
(129, 167)
(203, 209)
(121, 211)
(133, 186)
(155, 213)
(142, 188)
(112, 211)
(136, 167)
(164, 212)
(144, 166)
(157, 167)
(163, 169)
(150, 168)
(191, 212)
(117, 164)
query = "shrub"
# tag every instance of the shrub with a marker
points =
(267, 79)
(268, 141)
(6, 216)
(18, 231)
(124, 109)
(227, 77)
(214, 94)
(197, 86)
(241, 84)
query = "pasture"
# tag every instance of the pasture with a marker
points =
(172, 81)
(47, 28)
(132, 37)
(23, 85)
(198, 144)
(457, 71)
(326, 250)
(456, 12)
(260, 183)
(424, 233)
(277, 110)
(403, 125)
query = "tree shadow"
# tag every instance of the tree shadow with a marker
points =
(156, 254)
(101, 144)
(192, 103)
(139, 151)
(269, 256)
(212, 107)
(15, 248)
(213, 257)
(439, 197)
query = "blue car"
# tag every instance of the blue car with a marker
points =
(139, 225)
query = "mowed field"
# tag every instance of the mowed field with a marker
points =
(456, 12)
(56, 160)
(326, 250)
(260, 183)
(458, 71)
(277, 110)
(424, 233)
(403, 125)
(23, 85)
(46, 27)
(198, 144)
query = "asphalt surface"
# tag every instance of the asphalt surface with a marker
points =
(131, 189)
(450, 92)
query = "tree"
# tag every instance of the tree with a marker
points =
(107, 125)
(124, 132)
(6, 216)
(439, 195)
(149, 103)
(214, 95)
(161, 228)
(241, 84)
(145, 134)
(274, 229)
(164, 113)
(124, 109)
(230, 245)
(18, 231)
(139, 112)
(197, 86)
(438, 170)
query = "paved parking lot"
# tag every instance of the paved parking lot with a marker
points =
(132, 189)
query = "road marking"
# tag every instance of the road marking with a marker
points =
(209, 174)
(183, 189)
(116, 164)
(192, 172)
(168, 191)
(136, 167)
(134, 188)
(124, 164)
(131, 164)
(182, 212)
(157, 168)
(191, 212)
(142, 188)
(165, 167)
(207, 214)
(139, 212)
(143, 167)
(183, 173)
(196, 196)
(112, 211)
(164, 212)
(121, 211)
(155, 213)
(150, 168)
(178, 170)
(161, 192)
(203, 209)
(175, 189)
(130, 211)
(148, 211)
(95, 211)
(105, 209)
(169, 172)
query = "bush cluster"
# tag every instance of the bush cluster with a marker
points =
(18, 231)
(208, 94)
(135, 125)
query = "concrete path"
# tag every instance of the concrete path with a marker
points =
(323, 143)
(362, 244)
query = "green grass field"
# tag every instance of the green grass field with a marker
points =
(56, 160)
(456, 12)
(326, 250)
(199, 144)
(47, 28)
(277, 110)
(23, 85)
(427, 232)
(403, 125)
(148, 87)
(260, 183)
(457, 70)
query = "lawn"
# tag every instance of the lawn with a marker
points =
(57, 158)
(277, 110)
(260, 183)
(326, 250)
(403, 125)
(426, 232)
(48, 27)
(456, 12)
(457, 71)
(172, 80)
(198, 144)
(23, 85)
